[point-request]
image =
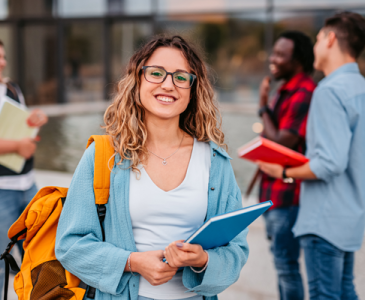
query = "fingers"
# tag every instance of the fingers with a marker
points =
(37, 118)
(170, 257)
(160, 276)
(188, 247)
(179, 254)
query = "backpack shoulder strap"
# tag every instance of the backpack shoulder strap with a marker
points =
(104, 162)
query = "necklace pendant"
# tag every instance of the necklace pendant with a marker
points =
(164, 162)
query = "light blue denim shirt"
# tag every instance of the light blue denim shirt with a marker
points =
(333, 207)
(80, 249)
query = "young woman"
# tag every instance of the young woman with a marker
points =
(170, 175)
(16, 189)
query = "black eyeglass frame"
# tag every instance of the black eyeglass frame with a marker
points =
(172, 77)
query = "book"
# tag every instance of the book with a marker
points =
(13, 126)
(221, 229)
(271, 152)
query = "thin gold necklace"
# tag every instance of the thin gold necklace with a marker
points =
(164, 162)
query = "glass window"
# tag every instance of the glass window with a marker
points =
(3, 9)
(7, 37)
(126, 38)
(80, 8)
(204, 6)
(234, 49)
(39, 68)
(84, 67)
(26, 8)
(138, 7)
(329, 4)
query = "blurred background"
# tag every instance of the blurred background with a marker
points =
(67, 55)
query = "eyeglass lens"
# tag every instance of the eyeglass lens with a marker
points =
(158, 75)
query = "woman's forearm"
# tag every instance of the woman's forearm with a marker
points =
(8, 146)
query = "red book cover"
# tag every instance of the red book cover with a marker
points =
(271, 152)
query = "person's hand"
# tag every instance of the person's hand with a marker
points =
(179, 254)
(273, 170)
(26, 147)
(264, 91)
(150, 266)
(37, 118)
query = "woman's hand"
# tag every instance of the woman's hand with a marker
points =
(151, 267)
(37, 118)
(273, 170)
(179, 254)
(26, 147)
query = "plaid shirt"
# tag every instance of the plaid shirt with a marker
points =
(289, 112)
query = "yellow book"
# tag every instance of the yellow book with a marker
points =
(13, 126)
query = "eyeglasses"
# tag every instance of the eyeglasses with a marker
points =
(180, 79)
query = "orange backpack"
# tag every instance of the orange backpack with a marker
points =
(41, 275)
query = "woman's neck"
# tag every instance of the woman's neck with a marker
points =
(163, 134)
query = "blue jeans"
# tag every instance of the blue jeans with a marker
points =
(329, 269)
(286, 250)
(12, 204)
(191, 298)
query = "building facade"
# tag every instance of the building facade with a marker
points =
(75, 50)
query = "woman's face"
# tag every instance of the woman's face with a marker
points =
(165, 100)
(2, 59)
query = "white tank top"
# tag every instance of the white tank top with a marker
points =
(159, 217)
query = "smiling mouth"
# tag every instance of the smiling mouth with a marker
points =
(165, 98)
(273, 68)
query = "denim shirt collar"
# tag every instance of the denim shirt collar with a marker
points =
(220, 150)
(346, 68)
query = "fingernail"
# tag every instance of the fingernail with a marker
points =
(179, 245)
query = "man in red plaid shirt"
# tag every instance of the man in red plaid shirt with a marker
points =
(284, 120)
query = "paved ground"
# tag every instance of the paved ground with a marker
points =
(257, 280)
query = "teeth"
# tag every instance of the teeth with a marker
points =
(272, 67)
(165, 99)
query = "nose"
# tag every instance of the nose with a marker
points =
(168, 84)
(272, 58)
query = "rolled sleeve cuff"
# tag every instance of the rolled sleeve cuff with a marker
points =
(201, 283)
(319, 170)
(112, 280)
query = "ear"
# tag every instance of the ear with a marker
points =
(331, 39)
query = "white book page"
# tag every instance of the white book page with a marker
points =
(13, 126)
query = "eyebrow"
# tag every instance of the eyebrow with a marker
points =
(177, 70)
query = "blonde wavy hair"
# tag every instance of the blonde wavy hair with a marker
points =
(124, 118)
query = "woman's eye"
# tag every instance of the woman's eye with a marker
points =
(181, 78)
(156, 73)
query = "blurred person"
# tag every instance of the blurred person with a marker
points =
(284, 121)
(331, 218)
(16, 189)
(170, 174)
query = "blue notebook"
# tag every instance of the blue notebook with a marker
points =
(221, 229)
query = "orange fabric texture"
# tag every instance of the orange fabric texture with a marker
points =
(104, 152)
(41, 276)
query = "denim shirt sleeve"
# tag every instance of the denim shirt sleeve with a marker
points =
(226, 262)
(329, 143)
(79, 245)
